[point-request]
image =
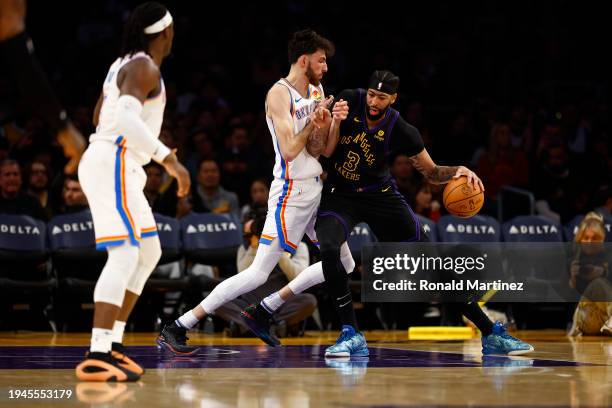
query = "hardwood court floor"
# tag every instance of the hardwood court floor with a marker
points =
(245, 373)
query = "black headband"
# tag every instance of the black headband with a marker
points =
(384, 81)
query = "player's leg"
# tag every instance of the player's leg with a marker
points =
(406, 228)
(111, 201)
(333, 230)
(173, 336)
(257, 317)
(149, 255)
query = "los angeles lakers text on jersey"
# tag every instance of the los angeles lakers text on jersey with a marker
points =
(361, 153)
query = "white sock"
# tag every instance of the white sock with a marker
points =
(118, 329)
(188, 320)
(272, 302)
(101, 340)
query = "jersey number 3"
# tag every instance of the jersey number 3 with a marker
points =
(351, 162)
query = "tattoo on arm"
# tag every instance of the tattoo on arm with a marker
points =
(316, 142)
(438, 174)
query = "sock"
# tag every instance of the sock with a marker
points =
(272, 303)
(187, 321)
(473, 312)
(101, 340)
(118, 329)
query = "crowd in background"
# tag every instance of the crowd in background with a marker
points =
(520, 95)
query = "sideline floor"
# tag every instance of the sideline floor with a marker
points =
(245, 373)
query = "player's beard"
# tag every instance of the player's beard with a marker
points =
(312, 78)
(376, 117)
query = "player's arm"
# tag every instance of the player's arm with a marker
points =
(278, 105)
(442, 174)
(406, 139)
(136, 81)
(340, 110)
(17, 54)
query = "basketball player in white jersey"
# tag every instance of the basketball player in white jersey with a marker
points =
(128, 118)
(297, 115)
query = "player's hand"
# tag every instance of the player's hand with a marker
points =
(473, 179)
(321, 117)
(73, 144)
(340, 111)
(179, 172)
(327, 102)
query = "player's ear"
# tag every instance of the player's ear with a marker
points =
(393, 98)
(302, 60)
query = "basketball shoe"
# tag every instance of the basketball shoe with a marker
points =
(349, 343)
(500, 342)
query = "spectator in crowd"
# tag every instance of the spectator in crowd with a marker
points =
(502, 163)
(403, 172)
(153, 186)
(12, 199)
(203, 149)
(208, 194)
(37, 176)
(590, 275)
(291, 315)
(73, 198)
(422, 201)
(259, 196)
(240, 162)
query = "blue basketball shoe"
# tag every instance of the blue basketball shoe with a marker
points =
(349, 343)
(500, 342)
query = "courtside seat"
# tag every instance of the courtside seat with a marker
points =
(25, 280)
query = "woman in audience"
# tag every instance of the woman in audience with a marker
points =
(589, 274)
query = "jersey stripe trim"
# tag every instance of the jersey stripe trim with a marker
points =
(279, 215)
(120, 194)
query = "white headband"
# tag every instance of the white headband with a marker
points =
(159, 25)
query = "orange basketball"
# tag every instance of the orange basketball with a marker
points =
(461, 199)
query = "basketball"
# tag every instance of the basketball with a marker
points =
(461, 199)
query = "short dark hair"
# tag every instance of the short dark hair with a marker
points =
(72, 177)
(307, 42)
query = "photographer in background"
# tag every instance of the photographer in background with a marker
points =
(291, 315)
(589, 275)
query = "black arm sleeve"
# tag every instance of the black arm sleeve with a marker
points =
(18, 55)
(405, 139)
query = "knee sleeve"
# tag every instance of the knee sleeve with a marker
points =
(150, 253)
(251, 278)
(113, 280)
(347, 258)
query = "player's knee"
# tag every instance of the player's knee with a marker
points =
(113, 281)
(150, 253)
(347, 258)
(348, 262)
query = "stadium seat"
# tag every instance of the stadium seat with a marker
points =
(360, 236)
(479, 228)
(77, 265)
(533, 257)
(531, 228)
(211, 238)
(429, 227)
(25, 280)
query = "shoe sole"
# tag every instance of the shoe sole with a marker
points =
(161, 344)
(252, 325)
(127, 363)
(111, 373)
(510, 353)
(363, 353)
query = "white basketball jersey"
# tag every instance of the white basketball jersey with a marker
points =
(152, 112)
(304, 166)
